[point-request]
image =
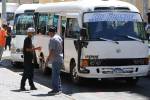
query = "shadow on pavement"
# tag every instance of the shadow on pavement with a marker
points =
(42, 95)
(18, 90)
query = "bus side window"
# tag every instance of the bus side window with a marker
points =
(43, 20)
(73, 29)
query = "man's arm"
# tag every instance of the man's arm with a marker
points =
(50, 56)
(33, 49)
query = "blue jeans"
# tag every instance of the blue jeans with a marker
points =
(56, 80)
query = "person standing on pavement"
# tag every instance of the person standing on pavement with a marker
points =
(3, 35)
(28, 51)
(8, 38)
(56, 58)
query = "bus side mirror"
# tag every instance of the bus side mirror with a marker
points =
(83, 33)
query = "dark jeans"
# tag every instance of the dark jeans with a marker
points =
(8, 42)
(28, 74)
(9, 45)
(56, 80)
(1, 52)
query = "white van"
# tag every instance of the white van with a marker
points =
(24, 18)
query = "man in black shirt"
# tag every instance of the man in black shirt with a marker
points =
(28, 58)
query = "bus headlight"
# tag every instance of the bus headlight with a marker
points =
(90, 62)
(144, 61)
(84, 63)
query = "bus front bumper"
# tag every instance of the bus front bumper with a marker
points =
(115, 72)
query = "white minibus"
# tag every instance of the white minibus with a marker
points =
(102, 39)
(24, 18)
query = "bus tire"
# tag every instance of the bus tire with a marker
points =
(132, 81)
(74, 76)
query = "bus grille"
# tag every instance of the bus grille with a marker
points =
(118, 62)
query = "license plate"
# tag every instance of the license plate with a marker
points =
(123, 70)
(118, 70)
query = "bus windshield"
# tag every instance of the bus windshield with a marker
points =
(117, 26)
(22, 22)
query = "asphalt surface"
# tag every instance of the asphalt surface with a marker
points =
(93, 89)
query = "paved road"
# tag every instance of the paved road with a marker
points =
(97, 90)
(9, 88)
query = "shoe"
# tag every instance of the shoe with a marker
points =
(22, 89)
(33, 88)
(54, 92)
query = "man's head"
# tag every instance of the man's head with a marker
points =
(4, 26)
(30, 31)
(52, 31)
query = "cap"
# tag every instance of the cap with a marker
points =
(52, 29)
(30, 29)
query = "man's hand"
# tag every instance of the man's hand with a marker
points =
(38, 48)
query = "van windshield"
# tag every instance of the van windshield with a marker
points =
(117, 26)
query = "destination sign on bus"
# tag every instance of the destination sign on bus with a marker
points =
(112, 16)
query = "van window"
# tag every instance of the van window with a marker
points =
(72, 28)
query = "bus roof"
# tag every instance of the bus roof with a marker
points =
(24, 7)
(84, 5)
(10, 7)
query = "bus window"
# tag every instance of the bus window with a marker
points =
(55, 21)
(43, 20)
(72, 28)
(63, 25)
(50, 21)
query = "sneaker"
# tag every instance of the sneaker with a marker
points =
(54, 92)
(33, 88)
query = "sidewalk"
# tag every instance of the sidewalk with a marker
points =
(9, 89)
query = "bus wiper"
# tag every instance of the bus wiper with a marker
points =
(131, 37)
(104, 39)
